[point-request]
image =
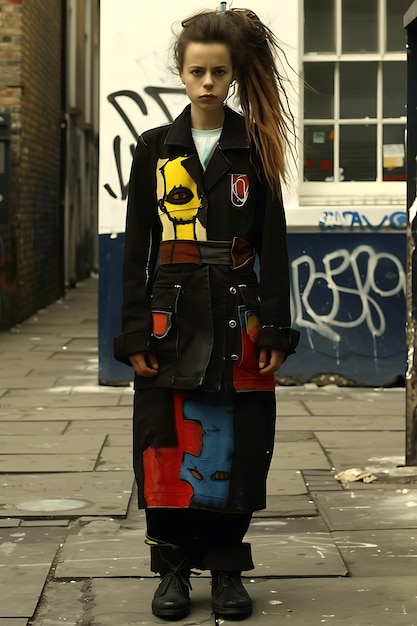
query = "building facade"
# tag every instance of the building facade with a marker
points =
(48, 139)
(346, 204)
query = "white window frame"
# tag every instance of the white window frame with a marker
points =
(375, 192)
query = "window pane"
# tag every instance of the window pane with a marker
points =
(319, 31)
(318, 153)
(319, 90)
(358, 89)
(393, 154)
(360, 26)
(395, 89)
(396, 34)
(358, 153)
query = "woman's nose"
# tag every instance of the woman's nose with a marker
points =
(208, 80)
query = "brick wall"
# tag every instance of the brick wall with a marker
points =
(30, 88)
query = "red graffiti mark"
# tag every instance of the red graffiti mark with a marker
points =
(162, 466)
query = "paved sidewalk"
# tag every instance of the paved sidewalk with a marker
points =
(71, 547)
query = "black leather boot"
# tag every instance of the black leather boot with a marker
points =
(229, 595)
(171, 600)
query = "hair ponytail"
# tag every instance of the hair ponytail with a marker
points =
(259, 87)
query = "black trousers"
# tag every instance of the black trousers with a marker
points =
(209, 540)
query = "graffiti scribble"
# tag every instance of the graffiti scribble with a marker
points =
(346, 275)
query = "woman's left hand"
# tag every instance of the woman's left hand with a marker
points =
(270, 360)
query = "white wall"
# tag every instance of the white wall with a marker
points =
(135, 54)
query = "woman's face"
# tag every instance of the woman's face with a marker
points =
(207, 73)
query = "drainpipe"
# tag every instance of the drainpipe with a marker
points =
(63, 147)
(410, 23)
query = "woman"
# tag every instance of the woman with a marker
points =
(203, 331)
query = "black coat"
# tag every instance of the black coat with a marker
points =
(205, 321)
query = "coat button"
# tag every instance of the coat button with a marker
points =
(233, 290)
(234, 357)
(232, 324)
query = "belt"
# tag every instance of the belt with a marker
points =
(232, 253)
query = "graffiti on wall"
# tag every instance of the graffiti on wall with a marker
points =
(354, 220)
(348, 289)
(122, 102)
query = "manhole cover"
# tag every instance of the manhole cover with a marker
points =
(51, 505)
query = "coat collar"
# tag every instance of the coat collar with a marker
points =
(233, 133)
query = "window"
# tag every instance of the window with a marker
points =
(355, 90)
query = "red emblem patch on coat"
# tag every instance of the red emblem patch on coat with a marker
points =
(239, 189)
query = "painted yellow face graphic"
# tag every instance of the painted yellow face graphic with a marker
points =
(180, 201)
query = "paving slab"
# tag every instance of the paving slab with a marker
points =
(337, 407)
(110, 427)
(286, 525)
(285, 483)
(13, 368)
(292, 408)
(18, 463)
(340, 602)
(341, 423)
(82, 414)
(114, 459)
(48, 444)
(53, 399)
(104, 556)
(309, 554)
(379, 552)
(9, 522)
(299, 455)
(287, 506)
(294, 435)
(116, 439)
(32, 428)
(343, 458)
(13, 622)
(65, 602)
(27, 382)
(65, 495)
(119, 602)
(373, 441)
(373, 510)
(320, 480)
(23, 571)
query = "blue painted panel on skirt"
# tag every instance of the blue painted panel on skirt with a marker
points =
(348, 301)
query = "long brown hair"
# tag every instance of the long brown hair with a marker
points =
(259, 85)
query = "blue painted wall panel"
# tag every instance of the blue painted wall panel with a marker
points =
(111, 372)
(348, 297)
(348, 300)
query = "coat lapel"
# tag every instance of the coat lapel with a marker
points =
(179, 141)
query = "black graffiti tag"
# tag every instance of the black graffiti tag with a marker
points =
(116, 100)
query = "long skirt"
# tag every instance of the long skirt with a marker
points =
(203, 450)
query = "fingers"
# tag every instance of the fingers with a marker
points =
(270, 360)
(145, 364)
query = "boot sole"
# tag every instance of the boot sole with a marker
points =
(170, 613)
(238, 613)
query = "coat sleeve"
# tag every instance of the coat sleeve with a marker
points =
(141, 246)
(274, 281)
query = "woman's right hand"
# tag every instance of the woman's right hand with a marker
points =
(145, 364)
